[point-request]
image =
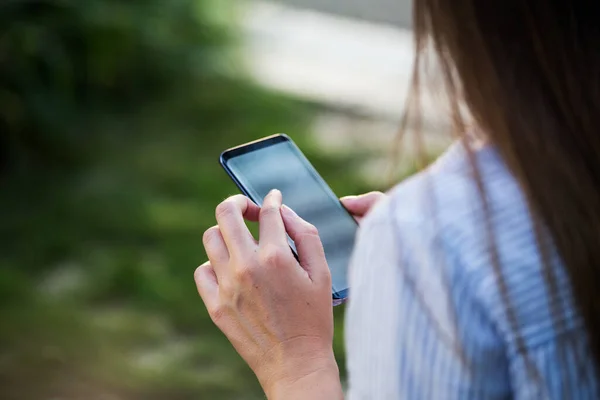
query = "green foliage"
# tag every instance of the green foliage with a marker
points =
(97, 266)
(64, 61)
(112, 116)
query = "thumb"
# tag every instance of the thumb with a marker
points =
(359, 206)
(308, 244)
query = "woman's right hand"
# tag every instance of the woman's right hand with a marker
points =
(274, 308)
(359, 206)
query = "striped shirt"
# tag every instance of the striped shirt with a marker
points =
(427, 319)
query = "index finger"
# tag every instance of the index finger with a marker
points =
(230, 217)
(270, 221)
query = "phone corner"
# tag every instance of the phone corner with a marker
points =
(223, 158)
(285, 136)
(340, 297)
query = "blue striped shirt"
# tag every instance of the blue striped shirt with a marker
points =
(427, 319)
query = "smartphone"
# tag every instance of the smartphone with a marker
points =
(276, 162)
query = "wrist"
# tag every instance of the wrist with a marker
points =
(315, 379)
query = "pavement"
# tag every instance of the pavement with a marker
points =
(360, 69)
(395, 12)
(329, 59)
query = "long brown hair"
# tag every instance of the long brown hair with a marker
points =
(528, 71)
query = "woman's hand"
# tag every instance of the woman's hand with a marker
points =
(275, 310)
(359, 206)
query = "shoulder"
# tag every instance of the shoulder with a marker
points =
(410, 256)
(446, 194)
(433, 225)
(443, 206)
(442, 241)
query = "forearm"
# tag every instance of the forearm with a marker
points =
(320, 384)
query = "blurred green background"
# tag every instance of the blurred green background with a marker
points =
(112, 117)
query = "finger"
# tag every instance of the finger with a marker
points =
(230, 217)
(208, 288)
(308, 244)
(216, 249)
(270, 224)
(252, 211)
(360, 205)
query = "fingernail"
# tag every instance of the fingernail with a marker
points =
(290, 213)
(275, 196)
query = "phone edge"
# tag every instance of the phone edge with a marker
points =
(338, 297)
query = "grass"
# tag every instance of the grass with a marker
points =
(96, 290)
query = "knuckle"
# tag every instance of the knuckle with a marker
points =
(198, 272)
(225, 208)
(226, 289)
(327, 280)
(238, 197)
(217, 313)
(244, 274)
(269, 211)
(272, 255)
(210, 234)
(311, 230)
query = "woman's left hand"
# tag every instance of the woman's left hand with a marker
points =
(275, 310)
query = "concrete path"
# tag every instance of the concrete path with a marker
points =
(336, 61)
(395, 12)
(360, 68)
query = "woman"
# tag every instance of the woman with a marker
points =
(477, 278)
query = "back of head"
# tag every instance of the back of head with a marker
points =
(529, 74)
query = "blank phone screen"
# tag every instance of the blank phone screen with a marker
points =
(282, 166)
